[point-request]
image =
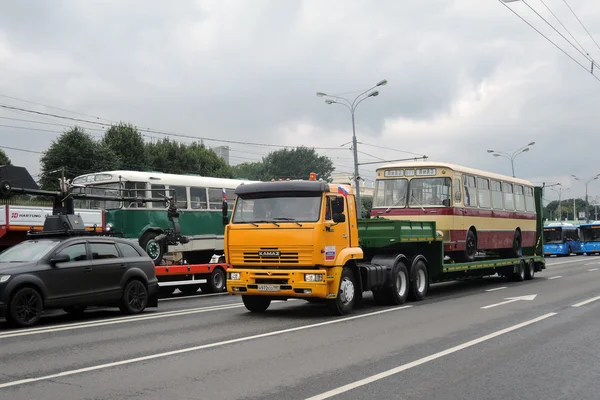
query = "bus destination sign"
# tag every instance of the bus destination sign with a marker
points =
(411, 172)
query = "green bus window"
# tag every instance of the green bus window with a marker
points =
(157, 191)
(198, 198)
(181, 196)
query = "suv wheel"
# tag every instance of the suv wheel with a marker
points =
(135, 297)
(25, 307)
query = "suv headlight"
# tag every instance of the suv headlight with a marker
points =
(313, 277)
(234, 276)
(4, 278)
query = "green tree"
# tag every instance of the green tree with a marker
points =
(128, 144)
(254, 171)
(366, 206)
(4, 160)
(180, 158)
(297, 163)
(78, 154)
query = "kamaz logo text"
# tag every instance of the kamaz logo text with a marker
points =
(269, 253)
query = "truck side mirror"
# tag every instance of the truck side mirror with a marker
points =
(339, 218)
(224, 210)
(337, 206)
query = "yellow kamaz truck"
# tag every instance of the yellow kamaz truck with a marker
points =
(302, 239)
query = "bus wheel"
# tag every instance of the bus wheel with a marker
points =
(470, 246)
(257, 304)
(530, 270)
(154, 249)
(517, 244)
(419, 282)
(346, 297)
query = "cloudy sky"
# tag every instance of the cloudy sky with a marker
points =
(464, 76)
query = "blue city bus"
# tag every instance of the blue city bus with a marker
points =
(590, 238)
(561, 239)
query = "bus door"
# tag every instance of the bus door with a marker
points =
(457, 205)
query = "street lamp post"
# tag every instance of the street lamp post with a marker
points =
(560, 192)
(332, 99)
(587, 204)
(512, 156)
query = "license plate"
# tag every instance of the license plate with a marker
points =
(268, 288)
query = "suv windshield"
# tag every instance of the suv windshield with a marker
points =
(30, 250)
(280, 208)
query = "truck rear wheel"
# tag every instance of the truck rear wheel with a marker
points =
(346, 296)
(216, 282)
(257, 304)
(419, 281)
(397, 293)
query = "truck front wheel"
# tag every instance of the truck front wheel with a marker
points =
(346, 297)
(257, 304)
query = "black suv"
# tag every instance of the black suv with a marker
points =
(73, 273)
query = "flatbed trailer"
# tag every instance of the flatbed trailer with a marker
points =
(188, 278)
(337, 258)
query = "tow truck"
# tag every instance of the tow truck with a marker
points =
(188, 278)
(334, 257)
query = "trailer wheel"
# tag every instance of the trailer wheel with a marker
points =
(530, 270)
(419, 281)
(346, 297)
(257, 304)
(216, 282)
(518, 276)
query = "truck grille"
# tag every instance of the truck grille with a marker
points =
(271, 256)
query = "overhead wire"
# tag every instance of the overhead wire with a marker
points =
(581, 23)
(548, 39)
(564, 27)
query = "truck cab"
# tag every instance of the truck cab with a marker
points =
(292, 239)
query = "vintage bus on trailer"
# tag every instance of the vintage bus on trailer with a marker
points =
(561, 239)
(475, 210)
(199, 200)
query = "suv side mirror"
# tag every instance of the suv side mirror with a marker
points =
(61, 258)
(339, 218)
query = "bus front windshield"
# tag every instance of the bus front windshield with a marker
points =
(419, 192)
(589, 234)
(553, 236)
(104, 189)
(277, 208)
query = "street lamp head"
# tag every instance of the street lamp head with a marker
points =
(496, 155)
(596, 177)
(531, 144)
(330, 101)
(321, 94)
(374, 93)
(490, 151)
(574, 177)
(525, 149)
(382, 83)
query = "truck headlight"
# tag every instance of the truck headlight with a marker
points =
(4, 278)
(313, 277)
(234, 276)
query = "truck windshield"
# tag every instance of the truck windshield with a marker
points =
(278, 207)
(553, 236)
(590, 234)
(30, 250)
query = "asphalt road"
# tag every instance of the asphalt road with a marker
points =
(483, 339)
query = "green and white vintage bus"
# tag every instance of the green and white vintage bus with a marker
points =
(199, 200)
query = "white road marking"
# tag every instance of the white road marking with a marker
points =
(511, 300)
(118, 320)
(583, 303)
(401, 368)
(593, 269)
(494, 289)
(554, 277)
(193, 297)
(593, 263)
(563, 262)
(195, 348)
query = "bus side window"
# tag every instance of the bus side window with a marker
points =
(198, 198)
(457, 191)
(509, 198)
(470, 191)
(157, 191)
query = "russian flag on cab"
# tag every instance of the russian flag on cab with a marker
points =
(224, 195)
(343, 191)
